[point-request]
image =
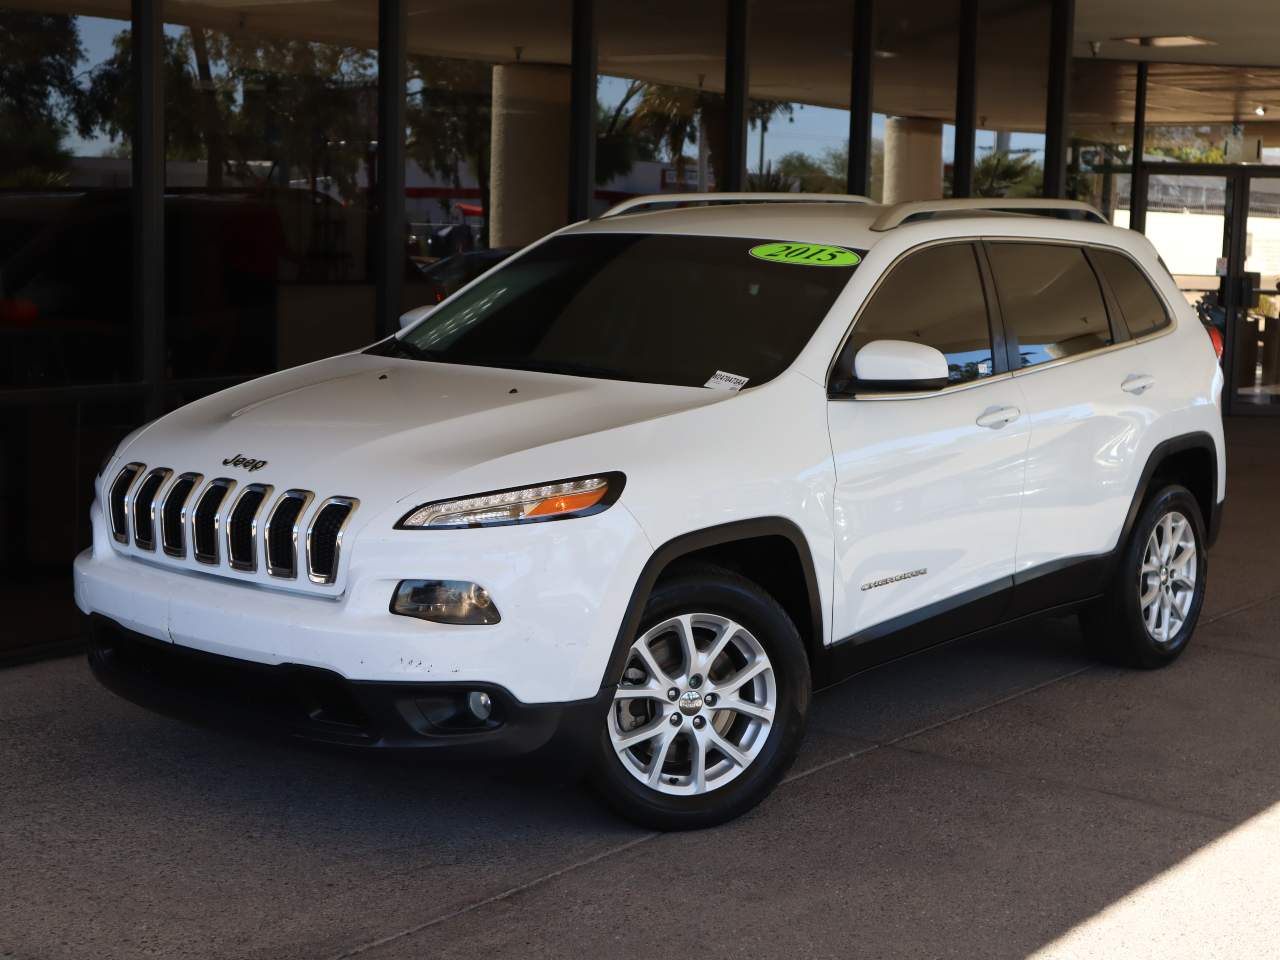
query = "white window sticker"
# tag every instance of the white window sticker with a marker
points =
(725, 381)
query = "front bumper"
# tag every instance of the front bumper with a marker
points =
(309, 703)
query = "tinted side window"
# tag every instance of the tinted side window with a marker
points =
(1051, 301)
(1142, 307)
(934, 297)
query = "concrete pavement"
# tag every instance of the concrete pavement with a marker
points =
(1002, 797)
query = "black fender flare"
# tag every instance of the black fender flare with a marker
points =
(688, 543)
(1161, 452)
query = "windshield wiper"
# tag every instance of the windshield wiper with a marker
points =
(396, 347)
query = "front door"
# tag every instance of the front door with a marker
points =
(928, 486)
(1218, 230)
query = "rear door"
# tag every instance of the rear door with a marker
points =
(1090, 394)
(928, 486)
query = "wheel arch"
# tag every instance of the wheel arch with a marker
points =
(747, 547)
(1191, 460)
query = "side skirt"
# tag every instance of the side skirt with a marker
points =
(1053, 587)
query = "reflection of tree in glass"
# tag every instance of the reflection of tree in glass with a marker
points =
(41, 98)
(254, 109)
(448, 120)
(654, 119)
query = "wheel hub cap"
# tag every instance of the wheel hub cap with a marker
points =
(1167, 581)
(696, 704)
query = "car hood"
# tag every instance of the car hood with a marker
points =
(385, 428)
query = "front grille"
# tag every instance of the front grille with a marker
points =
(119, 496)
(144, 508)
(282, 533)
(324, 538)
(242, 527)
(173, 514)
(151, 506)
(207, 518)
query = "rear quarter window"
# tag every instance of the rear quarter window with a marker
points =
(1144, 312)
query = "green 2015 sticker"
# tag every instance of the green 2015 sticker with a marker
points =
(808, 254)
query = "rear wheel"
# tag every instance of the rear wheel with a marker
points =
(1148, 616)
(711, 708)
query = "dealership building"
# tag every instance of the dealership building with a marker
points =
(197, 192)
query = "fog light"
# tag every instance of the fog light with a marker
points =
(480, 704)
(444, 601)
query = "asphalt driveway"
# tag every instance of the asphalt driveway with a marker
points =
(1001, 797)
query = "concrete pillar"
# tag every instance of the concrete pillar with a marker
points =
(912, 159)
(529, 162)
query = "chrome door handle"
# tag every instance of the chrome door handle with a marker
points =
(997, 417)
(1137, 383)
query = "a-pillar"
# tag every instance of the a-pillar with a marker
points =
(912, 159)
(529, 160)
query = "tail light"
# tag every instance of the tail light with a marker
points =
(1215, 337)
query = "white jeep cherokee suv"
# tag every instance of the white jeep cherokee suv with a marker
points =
(640, 489)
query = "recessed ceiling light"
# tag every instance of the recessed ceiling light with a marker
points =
(1260, 111)
(1178, 41)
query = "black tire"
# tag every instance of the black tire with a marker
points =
(707, 589)
(1113, 626)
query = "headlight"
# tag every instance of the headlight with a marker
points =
(579, 497)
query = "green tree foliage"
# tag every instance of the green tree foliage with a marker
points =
(1004, 175)
(40, 99)
(449, 121)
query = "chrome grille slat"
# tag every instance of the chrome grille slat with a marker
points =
(206, 519)
(173, 514)
(229, 527)
(242, 527)
(119, 499)
(324, 538)
(144, 507)
(282, 528)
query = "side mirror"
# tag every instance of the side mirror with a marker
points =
(410, 317)
(884, 366)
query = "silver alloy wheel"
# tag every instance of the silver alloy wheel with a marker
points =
(1167, 581)
(695, 705)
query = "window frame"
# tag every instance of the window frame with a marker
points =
(1120, 336)
(995, 328)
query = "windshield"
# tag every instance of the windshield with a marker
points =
(689, 311)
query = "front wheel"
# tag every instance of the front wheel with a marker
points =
(711, 708)
(1149, 614)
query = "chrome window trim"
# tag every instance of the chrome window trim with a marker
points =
(165, 473)
(1167, 330)
(350, 502)
(140, 469)
(252, 566)
(857, 315)
(940, 392)
(306, 496)
(228, 485)
(180, 551)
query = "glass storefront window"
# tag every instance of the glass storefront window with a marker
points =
(1011, 92)
(271, 137)
(660, 99)
(1100, 136)
(798, 136)
(66, 299)
(487, 138)
(915, 93)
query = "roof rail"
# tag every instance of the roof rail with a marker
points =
(895, 215)
(654, 199)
